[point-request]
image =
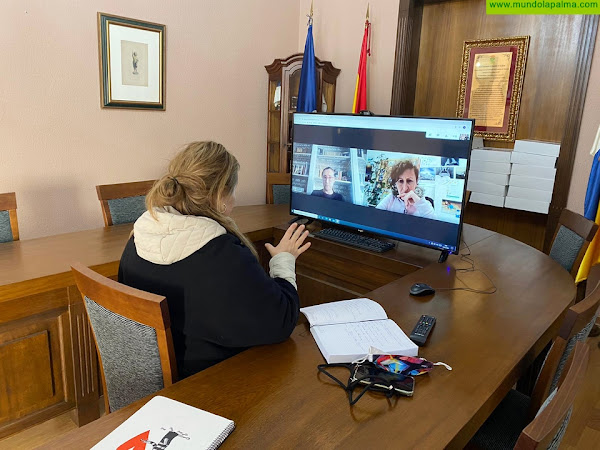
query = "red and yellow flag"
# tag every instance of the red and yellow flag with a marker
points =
(360, 93)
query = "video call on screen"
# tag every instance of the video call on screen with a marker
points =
(403, 184)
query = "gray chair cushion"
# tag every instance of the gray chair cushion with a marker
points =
(5, 230)
(581, 336)
(502, 429)
(129, 352)
(126, 210)
(281, 194)
(555, 442)
(566, 247)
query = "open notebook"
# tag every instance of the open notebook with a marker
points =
(345, 330)
(165, 424)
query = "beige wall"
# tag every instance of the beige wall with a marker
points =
(338, 29)
(589, 126)
(57, 143)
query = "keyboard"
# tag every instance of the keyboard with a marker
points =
(354, 240)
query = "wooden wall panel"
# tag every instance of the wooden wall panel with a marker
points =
(549, 72)
(554, 86)
(313, 291)
(523, 226)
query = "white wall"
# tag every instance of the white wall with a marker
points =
(56, 143)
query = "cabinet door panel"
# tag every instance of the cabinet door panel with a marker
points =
(25, 374)
(33, 373)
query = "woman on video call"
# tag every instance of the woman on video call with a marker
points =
(188, 248)
(405, 178)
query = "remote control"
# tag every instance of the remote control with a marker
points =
(422, 329)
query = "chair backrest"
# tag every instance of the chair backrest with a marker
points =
(9, 227)
(281, 194)
(548, 427)
(278, 188)
(132, 331)
(123, 202)
(571, 239)
(576, 326)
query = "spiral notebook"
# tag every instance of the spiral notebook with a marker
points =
(167, 424)
(346, 330)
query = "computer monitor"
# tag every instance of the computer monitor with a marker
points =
(399, 177)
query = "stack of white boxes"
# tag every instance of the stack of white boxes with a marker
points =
(488, 176)
(532, 176)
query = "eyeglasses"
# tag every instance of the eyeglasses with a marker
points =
(372, 378)
(387, 374)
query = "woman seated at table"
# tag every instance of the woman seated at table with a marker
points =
(404, 178)
(188, 248)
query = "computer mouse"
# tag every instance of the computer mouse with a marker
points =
(419, 289)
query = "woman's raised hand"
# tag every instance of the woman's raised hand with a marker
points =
(291, 241)
(410, 200)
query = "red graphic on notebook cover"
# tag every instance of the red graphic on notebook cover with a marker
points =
(139, 442)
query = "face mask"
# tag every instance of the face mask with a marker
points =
(405, 365)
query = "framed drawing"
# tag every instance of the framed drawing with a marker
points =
(132, 63)
(491, 82)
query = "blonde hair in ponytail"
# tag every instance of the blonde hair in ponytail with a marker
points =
(199, 179)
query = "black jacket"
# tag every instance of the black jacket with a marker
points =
(220, 300)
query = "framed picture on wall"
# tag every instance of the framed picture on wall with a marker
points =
(132, 63)
(491, 82)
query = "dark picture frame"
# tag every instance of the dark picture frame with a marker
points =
(132, 63)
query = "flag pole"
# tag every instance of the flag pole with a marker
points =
(360, 91)
(307, 90)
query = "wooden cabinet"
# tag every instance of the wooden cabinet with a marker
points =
(284, 80)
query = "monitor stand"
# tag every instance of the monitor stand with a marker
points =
(301, 220)
(443, 256)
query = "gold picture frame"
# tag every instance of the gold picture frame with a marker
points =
(491, 83)
(132, 63)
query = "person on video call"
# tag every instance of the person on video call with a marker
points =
(405, 177)
(187, 247)
(328, 175)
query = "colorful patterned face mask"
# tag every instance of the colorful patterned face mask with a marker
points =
(405, 365)
(402, 365)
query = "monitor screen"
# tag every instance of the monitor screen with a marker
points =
(399, 177)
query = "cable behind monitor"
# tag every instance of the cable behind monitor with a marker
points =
(465, 257)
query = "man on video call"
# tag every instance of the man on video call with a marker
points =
(328, 175)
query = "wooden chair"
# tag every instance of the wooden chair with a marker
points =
(132, 331)
(278, 188)
(123, 202)
(9, 226)
(550, 424)
(571, 239)
(576, 326)
(517, 409)
(505, 428)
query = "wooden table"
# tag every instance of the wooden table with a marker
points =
(278, 400)
(48, 361)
